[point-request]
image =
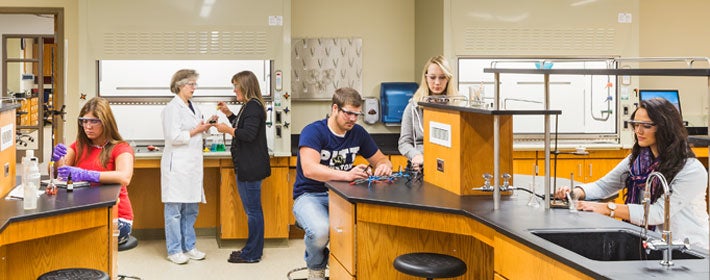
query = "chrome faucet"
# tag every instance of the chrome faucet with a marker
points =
(665, 244)
(506, 181)
(487, 183)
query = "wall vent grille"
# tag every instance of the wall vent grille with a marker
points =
(536, 40)
(185, 43)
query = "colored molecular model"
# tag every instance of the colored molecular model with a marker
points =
(409, 173)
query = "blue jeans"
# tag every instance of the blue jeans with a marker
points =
(311, 212)
(250, 193)
(124, 230)
(180, 226)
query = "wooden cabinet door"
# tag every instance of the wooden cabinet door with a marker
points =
(524, 166)
(291, 181)
(342, 231)
(274, 201)
(567, 167)
(597, 168)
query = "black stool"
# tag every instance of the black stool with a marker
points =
(430, 265)
(131, 243)
(74, 274)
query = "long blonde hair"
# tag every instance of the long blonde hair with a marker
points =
(423, 89)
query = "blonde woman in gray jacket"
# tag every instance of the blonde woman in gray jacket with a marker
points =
(437, 79)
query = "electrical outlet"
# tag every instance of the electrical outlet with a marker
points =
(440, 164)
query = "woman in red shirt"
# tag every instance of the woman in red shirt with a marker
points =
(99, 155)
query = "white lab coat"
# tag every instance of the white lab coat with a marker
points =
(181, 173)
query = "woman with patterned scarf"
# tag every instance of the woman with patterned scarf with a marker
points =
(660, 145)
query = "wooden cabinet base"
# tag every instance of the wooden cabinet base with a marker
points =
(337, 271)
(31, 248)
(516, 261)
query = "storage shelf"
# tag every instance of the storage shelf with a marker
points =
(687, 72)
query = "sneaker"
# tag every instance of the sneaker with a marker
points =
(195, 254)
(178, 258)
(316, 274)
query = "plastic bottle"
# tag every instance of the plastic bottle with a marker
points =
(31, 184)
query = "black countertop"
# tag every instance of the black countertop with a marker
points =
(699, 140)
(80, 199)
(515, 219)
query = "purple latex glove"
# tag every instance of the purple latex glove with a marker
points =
(77, 174)
(60, 150)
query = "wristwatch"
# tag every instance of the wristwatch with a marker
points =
(612, 207)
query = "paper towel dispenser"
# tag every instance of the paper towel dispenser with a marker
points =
(394, 97)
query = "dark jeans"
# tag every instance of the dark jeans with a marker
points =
(250, 193)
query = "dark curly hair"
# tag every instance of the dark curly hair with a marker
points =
(671, 138)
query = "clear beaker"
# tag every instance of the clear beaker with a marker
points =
(533, 202)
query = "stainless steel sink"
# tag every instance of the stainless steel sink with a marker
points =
(607, 244)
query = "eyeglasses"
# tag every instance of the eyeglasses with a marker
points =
(89, 122)
(433, 77)
(351, 114)
(192, 84)
(641, 124)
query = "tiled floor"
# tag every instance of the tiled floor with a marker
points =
(149, 262)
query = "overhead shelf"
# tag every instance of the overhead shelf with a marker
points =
(489, 111)
(687, 72)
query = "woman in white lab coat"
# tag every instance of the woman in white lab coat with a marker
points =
(181, 168)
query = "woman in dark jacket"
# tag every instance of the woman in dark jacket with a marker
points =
(250, 155)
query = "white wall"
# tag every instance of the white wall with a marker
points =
(678, 28)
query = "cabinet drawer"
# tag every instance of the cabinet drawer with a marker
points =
(342, 231)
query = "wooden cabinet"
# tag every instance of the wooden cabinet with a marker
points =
(30, 112)
(586, 168)
(513, 260)
(8, 180)
(398, 161)
(47, 59)
(342, 236)
(275, 200)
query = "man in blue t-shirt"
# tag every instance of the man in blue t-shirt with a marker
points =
(326, 151)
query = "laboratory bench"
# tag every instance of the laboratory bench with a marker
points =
(223, 215)
(495, 244)
(66, 230)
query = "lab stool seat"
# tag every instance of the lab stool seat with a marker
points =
(74, 274)
(131, 243)
(430, 265)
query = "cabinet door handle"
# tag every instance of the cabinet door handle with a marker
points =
(590, 170)
(338, 229)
